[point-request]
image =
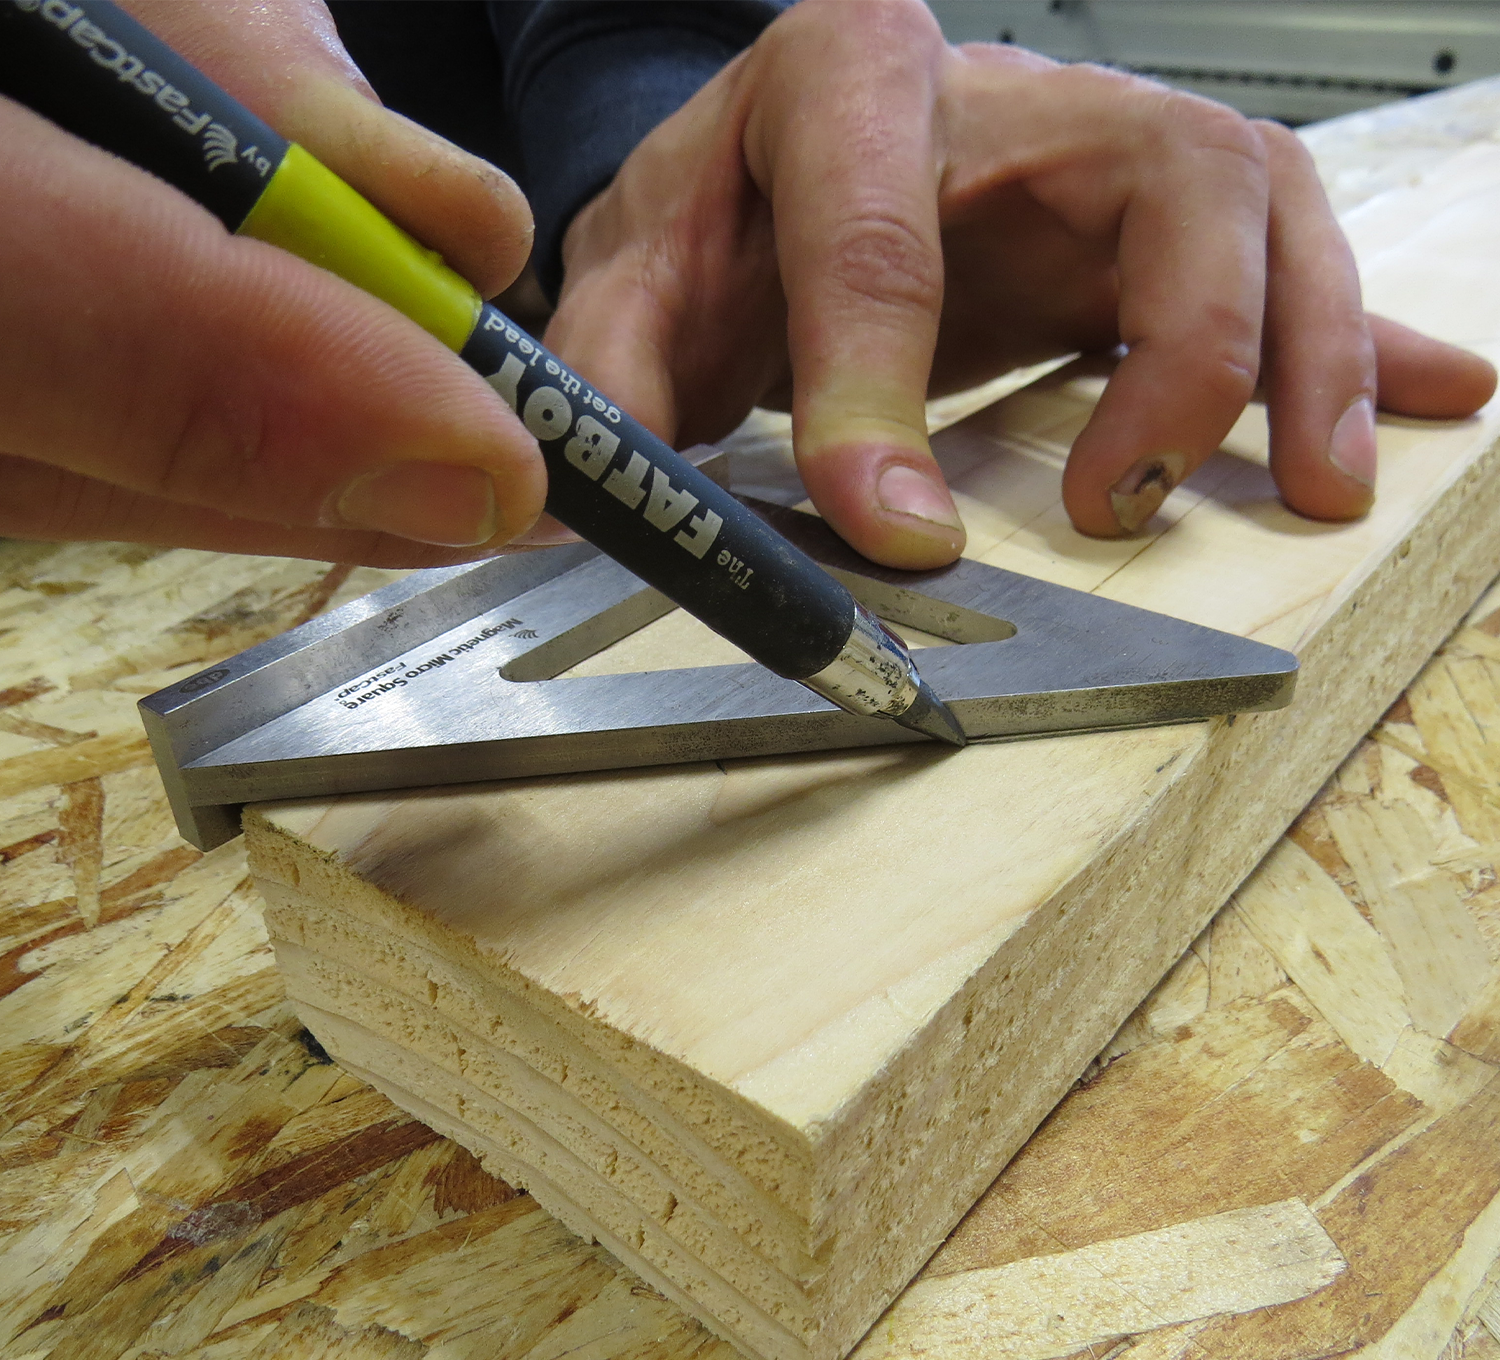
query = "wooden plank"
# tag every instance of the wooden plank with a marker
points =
(768, 1029)
(1225, 1263)
(206, 1185)
(1337, 957)
(376, 1251)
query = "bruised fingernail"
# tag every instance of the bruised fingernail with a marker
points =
(1351, 449)
(424, 502)
(904, 490)
(1139, 493)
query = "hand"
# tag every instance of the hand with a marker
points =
(165, 382)
(882, 216)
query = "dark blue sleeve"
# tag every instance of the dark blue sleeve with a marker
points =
(586, 80)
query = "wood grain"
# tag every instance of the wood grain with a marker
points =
(183, 1173)
(767, 1029)
(138, 1167)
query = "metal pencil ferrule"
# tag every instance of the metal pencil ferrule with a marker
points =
(872, 675)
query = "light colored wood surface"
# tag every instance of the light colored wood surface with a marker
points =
(181, 1174)
(767, 1029)
(1272, 1160)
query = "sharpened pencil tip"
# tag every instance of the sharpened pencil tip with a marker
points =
(930, 716)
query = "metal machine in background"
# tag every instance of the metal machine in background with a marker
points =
(1295, 60)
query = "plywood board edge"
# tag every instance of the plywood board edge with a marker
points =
(1242, 782)
(772, 1153)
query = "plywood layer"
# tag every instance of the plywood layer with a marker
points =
(767, 1029)
(183, 1172)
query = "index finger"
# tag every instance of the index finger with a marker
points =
(841, 140)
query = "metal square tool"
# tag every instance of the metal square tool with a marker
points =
(446, 677)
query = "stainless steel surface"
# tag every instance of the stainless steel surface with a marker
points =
(930, 716)
(875, 676)
(872, 675)
(443, 678)
(1297, 60)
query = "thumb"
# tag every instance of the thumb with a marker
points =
(215, 371)
(283, 60)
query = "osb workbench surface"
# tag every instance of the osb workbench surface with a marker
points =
(1291, 1151)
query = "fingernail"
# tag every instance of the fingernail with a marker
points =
(367, 143)
(1351, 449)
(449, 155)
(545, 533)
(1139, 493)
(424, 502)
(905, 491)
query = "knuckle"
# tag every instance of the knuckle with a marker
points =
(1279, 138)
(1103, 89)
(904, 22)
(1227, 370)
(893, 44)
(211, 453)
(1207, 118)
(1161, 119)
(882, 259)
(1285, 155)
(1215, 127)
(881, 24)
(1109, 80)
(1219, 353)
(45, 502)
(1120, 99)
